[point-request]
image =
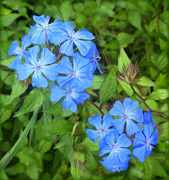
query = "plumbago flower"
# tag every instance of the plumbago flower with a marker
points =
(144, 142)
(42, 30)
(93, 55)
(73, 97)
(68, 37)
(15, 49)
(103, 127)
(43, 65)
(128, 113)
(81, 70)
(148, 118)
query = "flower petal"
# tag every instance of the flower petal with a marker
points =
(50, 71)
(84, 34)
(96, 121)
(93, 134)
(67, 48)
(132, 127)
(69, 104)
(57, 93)
(118, 109)
(38, 80)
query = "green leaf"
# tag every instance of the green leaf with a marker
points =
(17, 90)
(123, 60)
(134, 19)
(158, 170)
(31, 102)
(108, 87)
(147, 168)
(126, 87)
(144, 81)
(59, 127)
(97, 81)
(88, 144)
(7, 20)
(125, 39)
(152, 104)
(159, 94)
(7, 62)
(80, 157)
(11, 153)
(92, 109)
(66, 10)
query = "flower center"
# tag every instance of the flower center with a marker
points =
(74, 73)
(38, 67)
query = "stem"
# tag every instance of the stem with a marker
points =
(99, 108)
(47, 41)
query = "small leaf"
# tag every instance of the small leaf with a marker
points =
(31, 102)
(144, 81)
(159, 94)
(126, 87)
(125, 39)
(59, 127)
(97, 81)
(147, 168)
(66, 10)
(88, 144)
(108, 87)
(134, 19)
(123, 60)
(7, 20)
(158, 170)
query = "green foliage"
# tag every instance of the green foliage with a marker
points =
(51, 142)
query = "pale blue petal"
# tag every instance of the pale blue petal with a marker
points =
(140, 153)
(118, 109)
(132, 127)
(119, 124)
(123, 154)
(38, 38)
(68, 27)
(25, 41)
(154, 137)
(59, 37)
(137, 115)
(81, 98)
(57, 93)
(41, 20)
(16, 62)
(67, 48)
(98, 66)
(50, 71)
(34, 52)
(107, 121)
(83, 83)
(24, 71)
(93, 134)
(69, 104)
(139, 139)
(14, 48)
(62, 80)
(129, 105)
(96, 121)
(38, 80)
(47, 57)
(123, 141)
(84, 34)
(35, 28)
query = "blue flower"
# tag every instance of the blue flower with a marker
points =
(93, 55)
(144, 142)
(81, 70)
(42, 30)
(73, 97)
(15, 49)
(43, 65)
(116, 147)
(103, 128)
(148, 119)
(128, 113)
(114, 165)
(70, 38)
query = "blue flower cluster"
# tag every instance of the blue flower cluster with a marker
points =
(70, 64)
(129, 129)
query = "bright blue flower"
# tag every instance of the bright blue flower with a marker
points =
(42, 29)
(128, 113)
(93, 55)
(116, 147)
(114, 165)
(81, 70)
(148, 119)
(15, 49)
(102, 128)
(73, 97)
(68, 37)
(43, 65)
(144, 142)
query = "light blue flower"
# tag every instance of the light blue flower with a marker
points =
(116, 147)
(148, 118)
(103, 128)
(81, 70)
(128, 112)
(42, 30)
(144, 142)
(93, 55)
(15, 49)
(68, 37)
(73, 97)
(43, 65)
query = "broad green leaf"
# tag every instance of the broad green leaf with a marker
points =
(145, 81)
(125, 39)
(123, 60)
(66, 10)
(126, 87)
(80, 157)
(92, 162)
(159, 94)
(11, 153)
(31, 102)
(134, 19)
(17, 90)
(7, 20)
(108, 87)
(162, 61)
(88, 144)
(158, 169)
(152, 104)
(147, 168)
(7, 62)
(97, 81)
(59, 127)
(16, 169)
(164, 131)
(32, 171)
(76, 171)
